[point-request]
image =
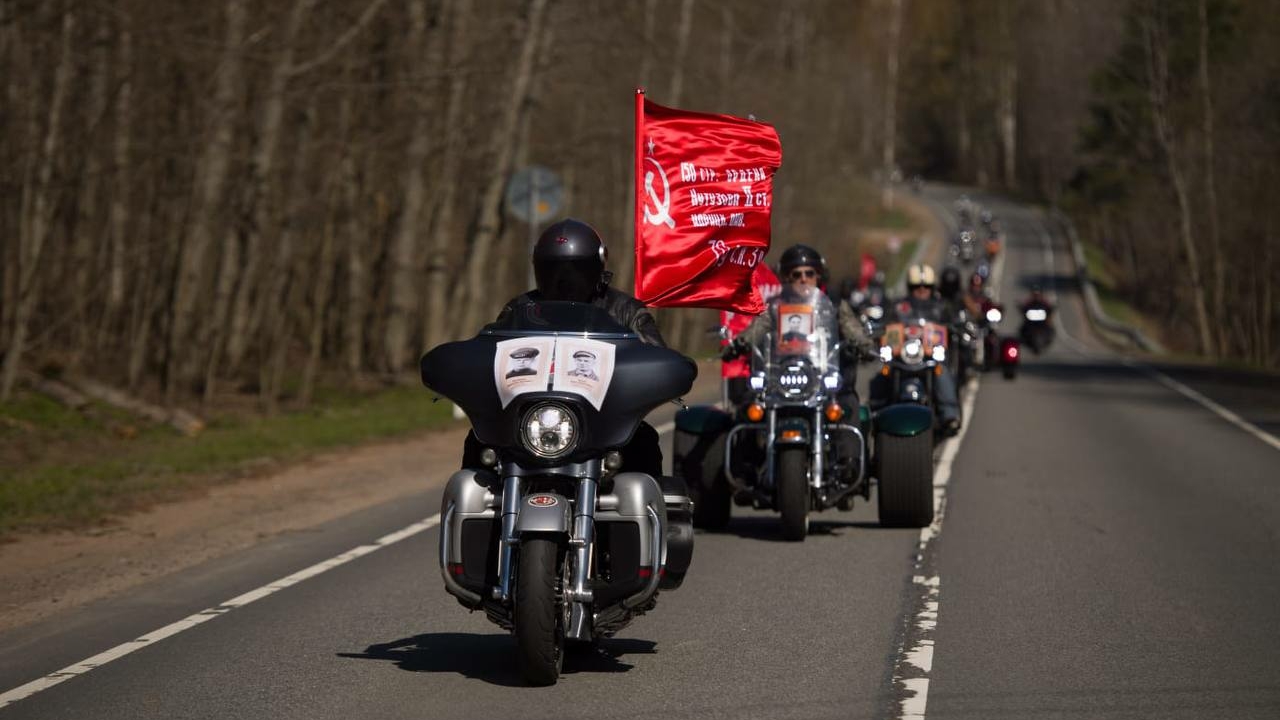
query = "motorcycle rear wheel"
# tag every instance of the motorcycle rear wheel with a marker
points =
(905, 494)
(539, 606)
(700, 461)
(793, 492)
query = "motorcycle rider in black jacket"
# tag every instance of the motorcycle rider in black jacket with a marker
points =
(568, 265)
(804, 266)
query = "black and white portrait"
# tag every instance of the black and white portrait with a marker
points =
(522, 365)
(523, 362)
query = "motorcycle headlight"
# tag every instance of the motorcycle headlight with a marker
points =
(795, 380)
(831, 380)
(1037, 315)
(875, 312)
(886, 353)
(913, 351)
(993, 315)
(940, 353)
(757, 382)
(550, 430)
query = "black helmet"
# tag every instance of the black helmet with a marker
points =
(568, 261)
(799, 256)
(949, 285)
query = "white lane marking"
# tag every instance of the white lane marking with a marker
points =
(1212, 406)
(919, 657)
(119, 651)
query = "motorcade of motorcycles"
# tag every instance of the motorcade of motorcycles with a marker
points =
(793, 446)
(913, 352)
(1037, 330)
(550, 539)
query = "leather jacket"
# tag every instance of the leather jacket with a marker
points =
(622, 307)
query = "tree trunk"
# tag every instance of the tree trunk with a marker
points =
(211, 175)
(625, 255)
(31, 243)
(123, 179)
(270, 125)
(441, 231)
(889, 150)
(1008, 96)
(403, 275)
(1211, 185)
(680, 318)
(1157, 66)
(488, 222)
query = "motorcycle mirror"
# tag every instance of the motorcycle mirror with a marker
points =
(680, 401)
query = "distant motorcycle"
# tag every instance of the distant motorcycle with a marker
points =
(1037, 330)
(549, 539)
(997, 350)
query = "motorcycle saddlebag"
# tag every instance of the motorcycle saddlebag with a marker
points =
(675, 494)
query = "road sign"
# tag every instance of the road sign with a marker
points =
(534, 194)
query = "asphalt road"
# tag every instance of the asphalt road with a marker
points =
(1108, 550)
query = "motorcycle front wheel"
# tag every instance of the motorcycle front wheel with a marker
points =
(539, 612)
(793, 492)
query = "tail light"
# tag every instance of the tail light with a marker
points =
(1011, 352)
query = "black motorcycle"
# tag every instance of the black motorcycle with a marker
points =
(793, 446)
(550, 538)
(1037, 331)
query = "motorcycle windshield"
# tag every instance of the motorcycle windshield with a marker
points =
(803, 349)
(573, 354)
(806, 325)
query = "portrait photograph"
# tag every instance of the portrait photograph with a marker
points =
(584, 367)
(522, 365)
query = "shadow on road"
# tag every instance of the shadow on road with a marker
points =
(769, 529)
(1062, 283)
(491, 657)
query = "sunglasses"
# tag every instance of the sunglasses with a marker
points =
(797, 274)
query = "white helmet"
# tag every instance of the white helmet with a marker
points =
(921, 274)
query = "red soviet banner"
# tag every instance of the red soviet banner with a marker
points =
(704, 192)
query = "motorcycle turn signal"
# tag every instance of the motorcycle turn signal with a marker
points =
(755, 412)
(834, 412)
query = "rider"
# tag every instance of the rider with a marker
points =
(805, 270)
(922, 301)
(568, 264)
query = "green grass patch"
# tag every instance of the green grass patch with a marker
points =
(86, 472)
(1102, 272)
(897, 264)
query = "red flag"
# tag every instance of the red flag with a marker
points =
(704, 192)
(767, 284)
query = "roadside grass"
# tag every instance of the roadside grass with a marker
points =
(1102, 272)
(897, 264)
(63, 469)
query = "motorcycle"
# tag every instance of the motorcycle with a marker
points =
(1036, 332)
(549, 538)
(913, 352)
(1004, 351)
(793, 447)
(964, 247)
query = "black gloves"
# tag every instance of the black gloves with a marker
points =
(736, 347)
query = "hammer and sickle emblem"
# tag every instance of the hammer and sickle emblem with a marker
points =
(661, 214)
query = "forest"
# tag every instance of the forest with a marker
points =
(249, 198)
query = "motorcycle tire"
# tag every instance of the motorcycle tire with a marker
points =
(539, 611)
(703, 469)
(1010, 372)
(793, 492)
(905, 493)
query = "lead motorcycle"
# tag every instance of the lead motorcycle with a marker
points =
(793, 447)
(550, 538)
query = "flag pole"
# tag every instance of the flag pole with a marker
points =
(638, 161)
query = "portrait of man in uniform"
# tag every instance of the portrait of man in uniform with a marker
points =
(794, 331)
(523, 361)
(584, 365)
